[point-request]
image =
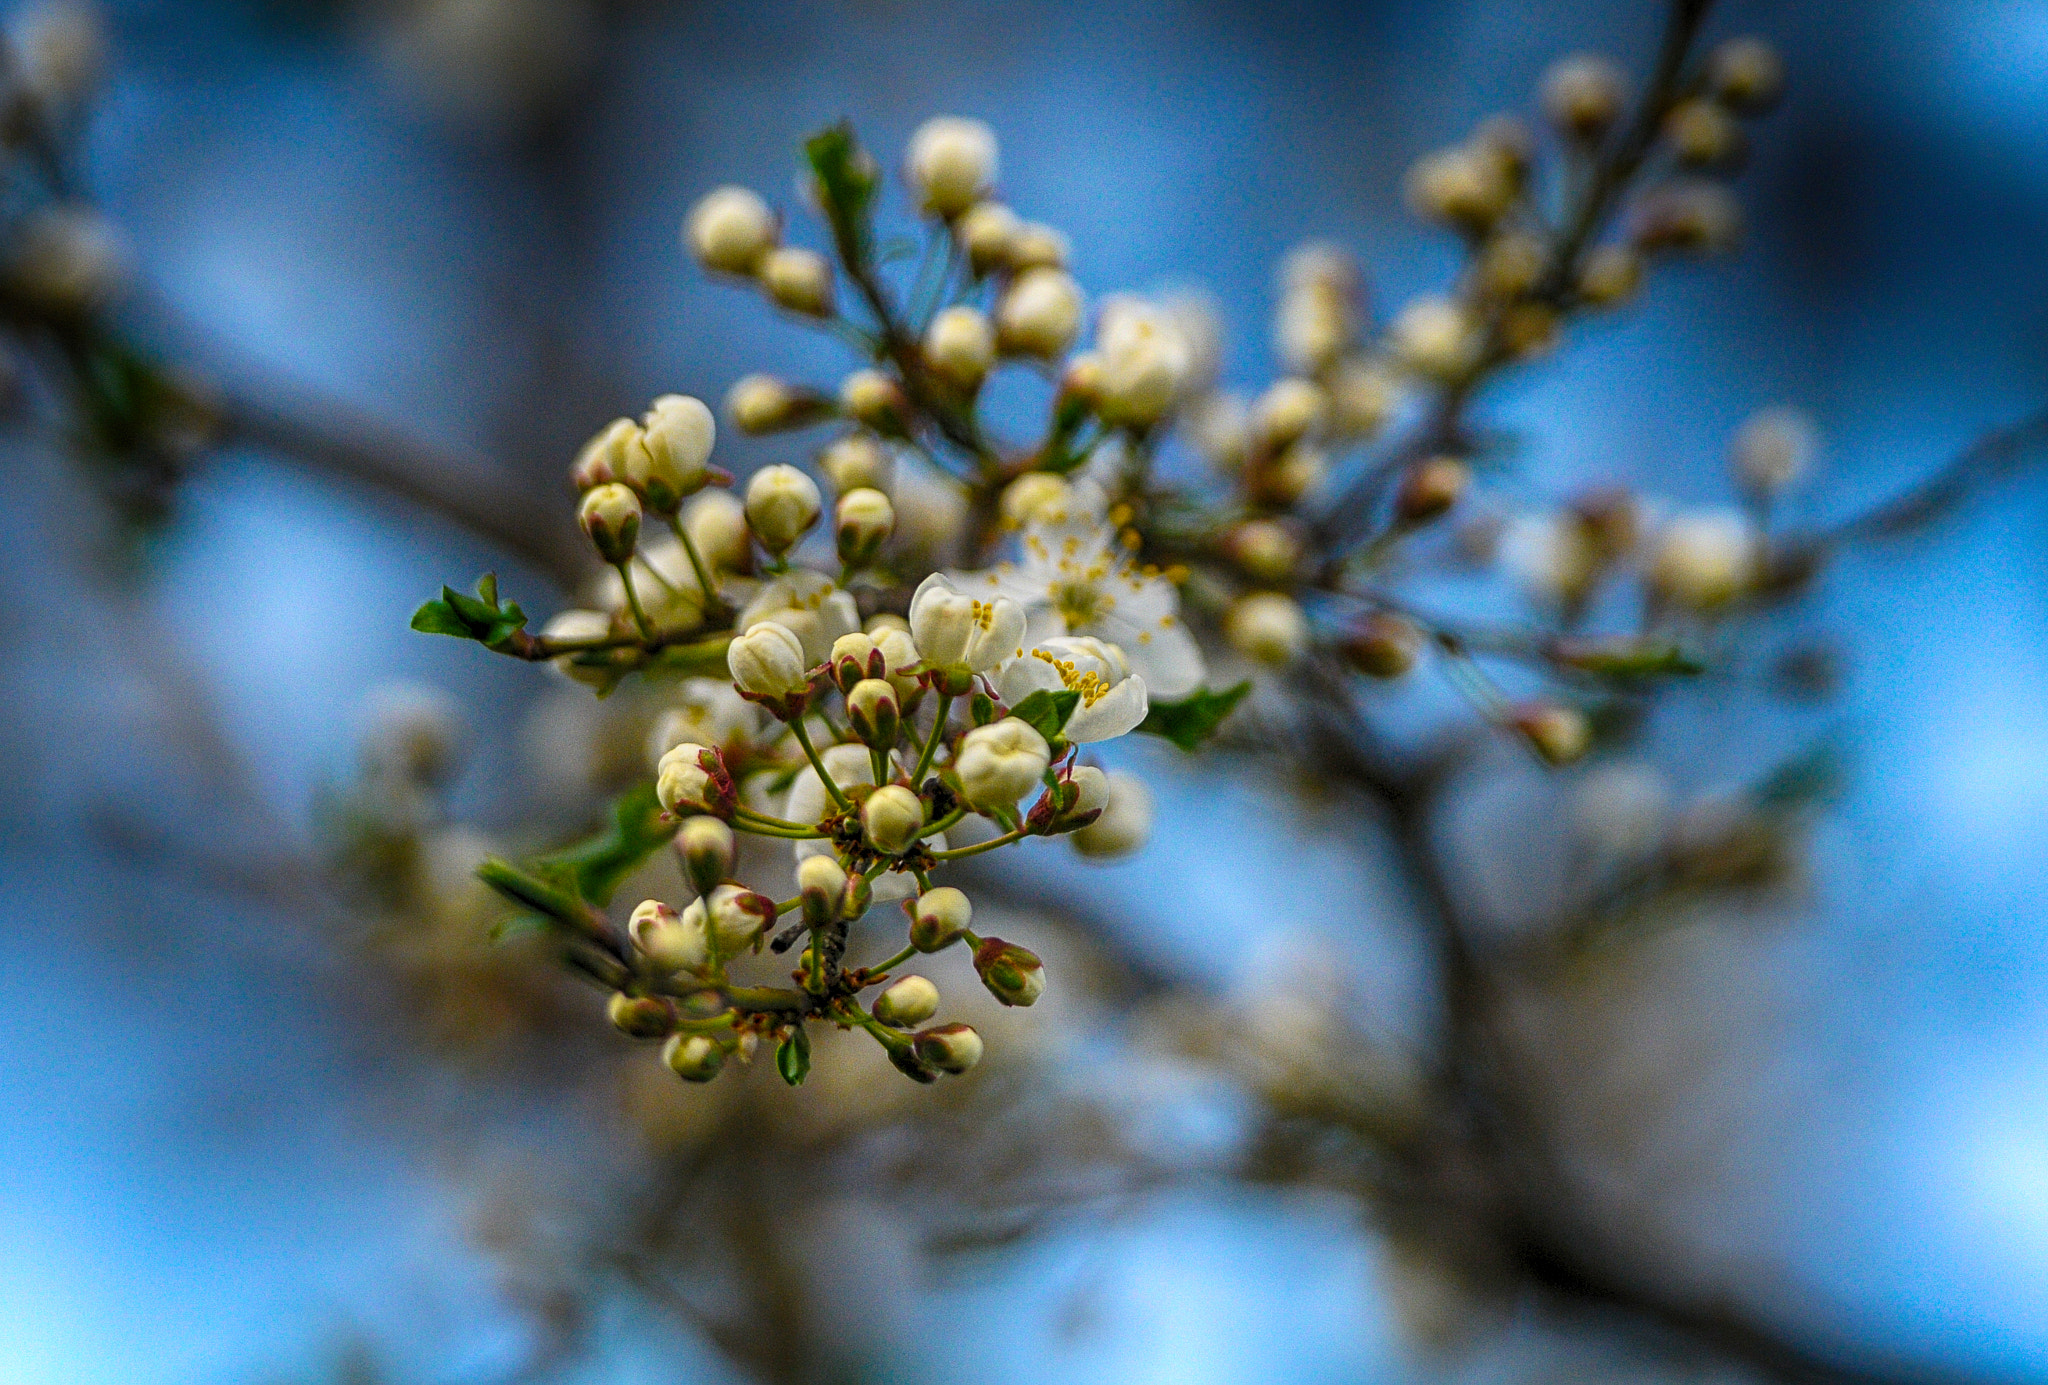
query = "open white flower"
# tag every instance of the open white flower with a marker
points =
(809, 605)
(808, 802)
(1113, 699)
(1074, 579)
(952, 627)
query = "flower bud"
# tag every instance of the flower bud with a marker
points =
(1611, 274)
(1313, 326)
(1218, 425)
(672, 460)
(737, 917)
(1012, 974)
(666, 938)
(1268, 627)
(1145, 360)
(941, 916)
(691, 779)
(950, 1048)
(951, 164)
(610, 516)
(1124, 824)
(1703, 134)
(782, 505)
(1038, 246)
(986, 230)
(1772, 451)
(872, 398)
(1383, 645)
(1435, 337)
(1032, 496)
(1582, 95)
(1686, 214)
(68, 259)
(1039, 314)
(1528, 330)
(693, 1057)
(641, 1016)
(960, 346)
(1557, 733)
(1001, 762)
(799, 280)
(730, 229)
(1746, 75)
(891, 819)
(911, 1001)
(1431, 487)
(1512, 263)
(872, 709)
(768, 661)
(1091, 791)
(763, 404)
(862, 525)
(1265, 550)
(708, 851)
(603, 458)
(1704, 559)
(1289, 411)
(858, 461)
(903, 1057)
(717, 525)
(821, 886)
(1361, 398)
(1459, 186)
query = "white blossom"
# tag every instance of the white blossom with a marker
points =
(952, 628)
(809, 605)
(1113, 699)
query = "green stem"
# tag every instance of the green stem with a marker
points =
(931, 745)
(633, 600)
(898, 960)
(697, 564)
(1014, 835)
(803, 738)
(943, 823)
(766, 821)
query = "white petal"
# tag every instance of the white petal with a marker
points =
(1165, 655)
(1110, 715)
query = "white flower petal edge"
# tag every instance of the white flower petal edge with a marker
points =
(1113, 699)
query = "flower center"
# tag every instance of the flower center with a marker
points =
(1078, 603)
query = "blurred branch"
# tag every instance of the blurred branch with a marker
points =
(1995, 455)
(460, 487)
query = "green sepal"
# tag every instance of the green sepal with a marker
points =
(982, 710)
(1046, 712)
(847, 182)
(793, 1057)
(480, 617)
(1194, 719)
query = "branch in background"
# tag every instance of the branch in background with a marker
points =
(1990, 458)
(460, 487)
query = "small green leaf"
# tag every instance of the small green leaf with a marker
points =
(982, 710)
(1193, 719)
(793, 1057)
(598, 865)
(847, 179)
(1047, 712)
(478, 617)
(1629, 659)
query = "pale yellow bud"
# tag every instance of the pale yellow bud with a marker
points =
(717, 525)
(1267, 627)
(1038, 246)
(1033, 495)
(941, 916)
(872, 398)
(986, 231)
(862, 524)
(911, 1001)
(858, 461)
(1610, 275)
(782, 505)
(1288, 411)
(673, 457)
(799, 280)
(951, 164)
(610, 517)
(961, 346)
(730, 229)
(1039, 314)
(1125, 824)
(1362, 397)
(891, 819)
(1582, 95)
(1001, 762)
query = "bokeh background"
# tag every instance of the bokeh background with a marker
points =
(464, 224)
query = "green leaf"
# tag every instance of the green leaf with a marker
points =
(1627, 659)
(982, 710)
(480, 617)
(1193, 719)
(595, 867)
(793, 1057)
(1047, 712)
(847, 181)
